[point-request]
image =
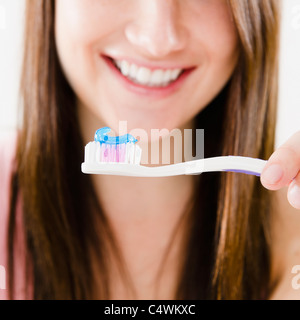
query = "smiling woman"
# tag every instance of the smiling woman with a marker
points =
(167, 44)
(156, 64)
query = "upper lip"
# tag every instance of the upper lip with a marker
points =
(150, 65)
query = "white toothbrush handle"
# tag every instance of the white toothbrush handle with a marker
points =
(246, 165)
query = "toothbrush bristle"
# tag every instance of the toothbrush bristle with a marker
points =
(112, 153)
(107, 149)
(128, 153)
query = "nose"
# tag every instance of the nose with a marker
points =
(157, 31)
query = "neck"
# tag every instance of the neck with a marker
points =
(144, 213)
(148, 219)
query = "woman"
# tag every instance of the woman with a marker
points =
(216, 236)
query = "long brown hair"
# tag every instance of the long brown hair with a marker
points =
(227, 252)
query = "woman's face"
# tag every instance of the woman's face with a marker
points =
(152, 63)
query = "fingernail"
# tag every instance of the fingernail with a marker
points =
(273, 174)
(294, 195)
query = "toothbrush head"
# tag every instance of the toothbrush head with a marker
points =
(107, 149)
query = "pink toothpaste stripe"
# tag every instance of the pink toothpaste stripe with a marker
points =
(113, 153)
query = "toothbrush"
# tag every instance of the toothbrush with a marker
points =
(121, 156)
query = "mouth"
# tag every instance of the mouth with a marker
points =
(148, 80)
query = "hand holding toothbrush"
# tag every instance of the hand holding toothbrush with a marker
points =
(122, 156)
(283, 169)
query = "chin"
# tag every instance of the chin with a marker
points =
(147, 130)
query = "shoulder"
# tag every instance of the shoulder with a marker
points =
(8, 141)
(285, 248)
(7, 153)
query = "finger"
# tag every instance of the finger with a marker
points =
(283, 166)
(294, 192)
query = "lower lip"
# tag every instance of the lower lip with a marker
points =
(157, 92)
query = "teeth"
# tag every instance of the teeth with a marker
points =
(125, 67)
(145, 76)
(175, 74)
(157, 78)
(167, 75)
(132, 71)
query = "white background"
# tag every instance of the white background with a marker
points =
(11, 29)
